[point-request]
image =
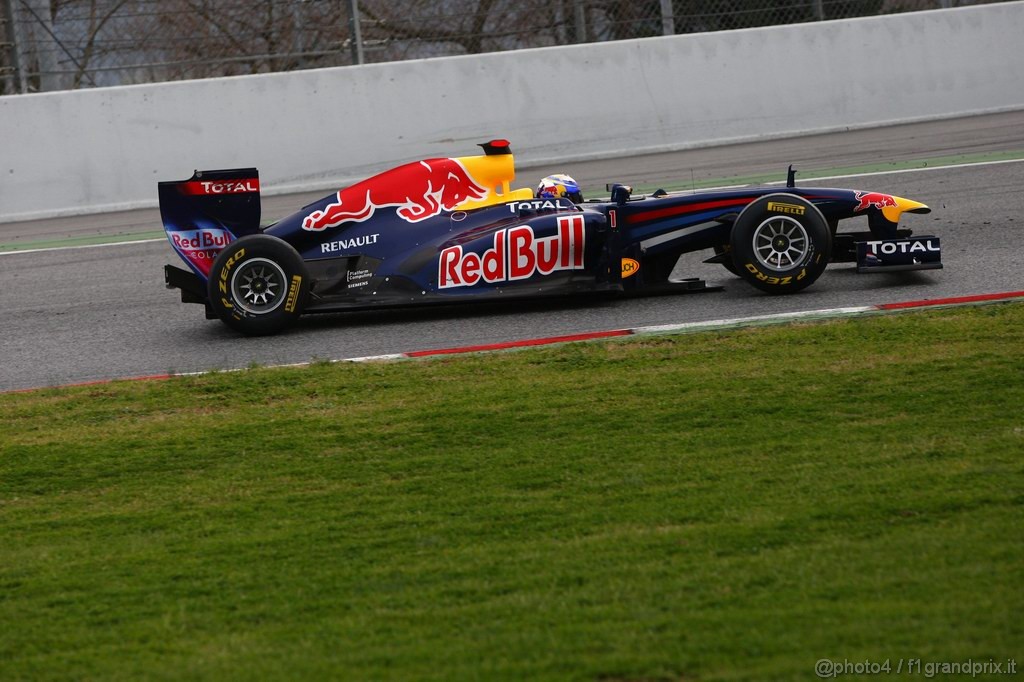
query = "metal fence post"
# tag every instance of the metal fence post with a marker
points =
(355, 32)
(668, 22)
(580, 21)
(11, 37)
(819, 10)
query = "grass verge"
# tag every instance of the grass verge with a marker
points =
(718, 506)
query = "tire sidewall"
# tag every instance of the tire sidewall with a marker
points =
(233, 258)
(800, 274)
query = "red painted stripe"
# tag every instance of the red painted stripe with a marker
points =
(952, 301)
(520, 344)
(686, 208)
(963, 300)
(702, 206)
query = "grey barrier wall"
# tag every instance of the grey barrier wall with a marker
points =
(105, 149)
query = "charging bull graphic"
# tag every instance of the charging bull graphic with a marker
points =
(419, 190)
(868, 200)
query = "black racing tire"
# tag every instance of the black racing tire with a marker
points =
(727, 263)
(258, 285)
(780, 243)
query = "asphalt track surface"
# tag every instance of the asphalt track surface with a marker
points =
(96, 313)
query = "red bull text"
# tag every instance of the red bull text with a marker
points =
(419, 191)
(516, 254)
(200, 247)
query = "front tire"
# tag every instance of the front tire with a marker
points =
(258, 285)
(781, 243)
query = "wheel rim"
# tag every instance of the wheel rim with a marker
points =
(258, 286)
(781, 243)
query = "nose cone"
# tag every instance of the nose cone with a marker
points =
(893, 213)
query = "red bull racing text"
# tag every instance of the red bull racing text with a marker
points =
(419, 191)
(517, 254)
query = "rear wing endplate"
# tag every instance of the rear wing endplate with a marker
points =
(208, 211)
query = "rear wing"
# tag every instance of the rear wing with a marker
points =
(208, 211)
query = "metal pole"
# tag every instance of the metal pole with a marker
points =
(580, 16)
(668, 22)
(355, 32)
(560, 29)
(12, 40)
(297, 33)
(819, 10)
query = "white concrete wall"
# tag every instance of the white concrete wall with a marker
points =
(103, 149)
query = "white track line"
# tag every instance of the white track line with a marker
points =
(703, 189)
(682, 328)
(82, 246)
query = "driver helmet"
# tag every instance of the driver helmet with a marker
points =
(560, 186)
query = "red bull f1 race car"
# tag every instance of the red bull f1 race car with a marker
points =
(452, 229)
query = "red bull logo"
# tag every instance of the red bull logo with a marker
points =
(419, 191)
(868, 200)
(517, 253)
(200, 247)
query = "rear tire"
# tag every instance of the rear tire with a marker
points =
(258, 285)
(781, 243)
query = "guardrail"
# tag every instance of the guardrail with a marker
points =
(105, 149)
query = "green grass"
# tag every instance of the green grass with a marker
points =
(716, 506)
